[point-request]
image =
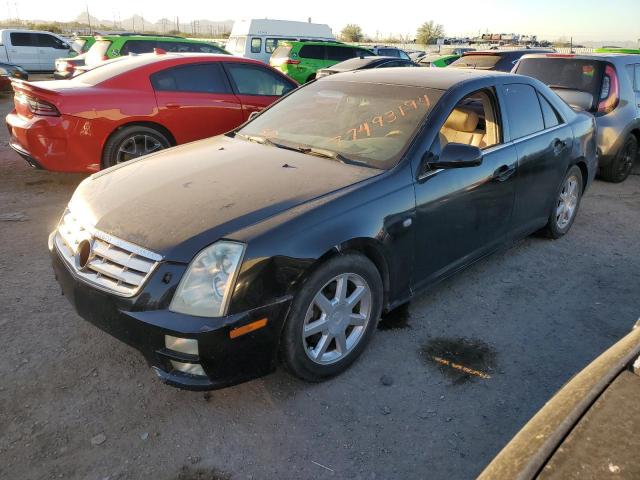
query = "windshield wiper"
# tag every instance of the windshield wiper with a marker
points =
(324, 153)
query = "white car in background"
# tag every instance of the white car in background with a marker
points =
(33, 50)
(258, 38)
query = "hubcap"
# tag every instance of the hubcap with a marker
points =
(137, 146)
(567, 202)
(337, 318)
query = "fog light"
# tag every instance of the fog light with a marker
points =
(190, 368)
(182, 345)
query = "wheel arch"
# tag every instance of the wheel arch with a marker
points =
(581, 163)
(367, 247)
(156, 126)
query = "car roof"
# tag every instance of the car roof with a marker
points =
(357, 62)
(319, 42)
(142, 36)
(438, 78)
(586, 56)
(505, 52)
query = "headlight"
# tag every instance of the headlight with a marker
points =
(206, 286)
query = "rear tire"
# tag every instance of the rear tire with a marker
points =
(566, 205)
(132, 142)
(620, 167)
(332, 318)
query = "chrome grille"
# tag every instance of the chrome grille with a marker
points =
(113, 264)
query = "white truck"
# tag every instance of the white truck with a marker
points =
(32, 50)
(258, 38)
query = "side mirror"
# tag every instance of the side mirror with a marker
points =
(253, 115)
(455, 155)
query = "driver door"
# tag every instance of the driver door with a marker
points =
(464, 213)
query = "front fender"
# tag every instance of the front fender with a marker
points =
(374, 217)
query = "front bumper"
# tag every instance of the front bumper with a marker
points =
(141, 324)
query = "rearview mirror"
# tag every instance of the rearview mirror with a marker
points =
(455, 155)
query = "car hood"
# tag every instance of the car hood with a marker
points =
(179, 200)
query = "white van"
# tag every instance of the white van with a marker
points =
(32, 49)
(258, 38)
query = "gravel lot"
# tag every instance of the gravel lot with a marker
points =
(76, 403)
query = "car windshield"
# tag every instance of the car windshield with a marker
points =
(97, 52)
(564, 73)
(362, 123)
(481, 62)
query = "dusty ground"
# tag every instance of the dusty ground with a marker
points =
(529, 317)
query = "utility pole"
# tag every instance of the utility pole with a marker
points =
(88, 18)
(142, 17)
(178, 24)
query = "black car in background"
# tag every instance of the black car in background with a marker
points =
(497, 60)
(363, 63)
(287, 239)
(9, 71)
(590, 429)
(606, 85)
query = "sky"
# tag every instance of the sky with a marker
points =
(549, 19)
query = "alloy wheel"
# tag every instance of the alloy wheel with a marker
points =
(567, 202)
(626, 161)
(337, 318)
(136, 146)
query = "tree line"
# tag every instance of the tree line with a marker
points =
(427, 34)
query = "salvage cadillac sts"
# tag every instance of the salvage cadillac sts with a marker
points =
(286, 238)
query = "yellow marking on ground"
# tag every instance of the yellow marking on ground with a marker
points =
(462, 368)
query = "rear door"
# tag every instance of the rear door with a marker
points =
(257, 87)
(543, 142)
(50, 48)
(23, 50)
(195, 101)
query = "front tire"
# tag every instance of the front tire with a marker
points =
(132, 142)
(620, 167)
(332, 318)
(567, 203)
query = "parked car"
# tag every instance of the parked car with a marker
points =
(289, 235)
(301, 60)
(81, 44)
(111, 46)
(132, 106)
(498, 60)
(437, 60)
(589, 429)
(7, 72)
(259, 38)
(606, 85)
(417, 55)
(365, 63)
(33, 50)
(387, 51)
(628, 51)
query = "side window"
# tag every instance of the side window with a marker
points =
(20, 39)
(200, 78)
(256, 45)
(473, 121)
(48, 41)
(549, 114)
(340, 53)
(523, 107)
(393, 63)
(270, 44)
(403, 55)
(141, 46)
(362, 53)
(313, 51)
(256, 80)
(389, 52)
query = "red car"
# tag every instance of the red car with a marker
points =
(132, 106)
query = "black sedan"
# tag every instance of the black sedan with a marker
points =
(496, 60)
(363, 63)
(288, 237)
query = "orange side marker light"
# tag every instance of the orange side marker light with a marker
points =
(250, 327)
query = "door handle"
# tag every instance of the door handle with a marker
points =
(173, 105)
(504, 172)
